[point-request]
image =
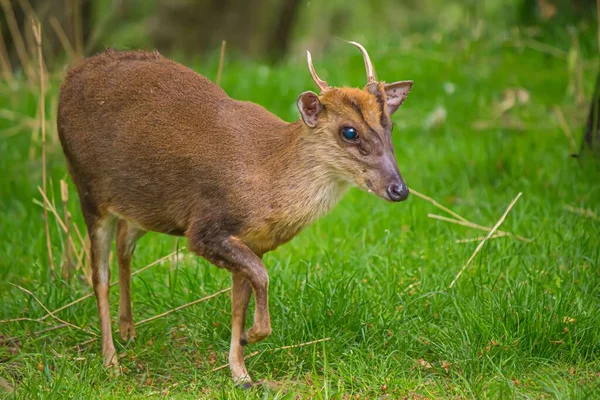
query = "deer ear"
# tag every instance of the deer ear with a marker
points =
(309, 106)
(395, 94)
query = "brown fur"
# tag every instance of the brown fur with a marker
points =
(153, 146)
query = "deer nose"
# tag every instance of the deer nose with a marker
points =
(397, 192)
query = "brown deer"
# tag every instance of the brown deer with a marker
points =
(153, 146)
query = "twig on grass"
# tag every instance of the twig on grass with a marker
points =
(293, 346)
(50, 313)
(490, 233)
(475, 226)
(87, 296)
(221, 60)
(438, 205)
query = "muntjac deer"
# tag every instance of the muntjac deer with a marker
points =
(153, 146)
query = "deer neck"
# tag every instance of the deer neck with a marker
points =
(313, 187)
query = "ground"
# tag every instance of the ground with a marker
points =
(482, 124)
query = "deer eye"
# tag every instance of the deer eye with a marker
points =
(349, 133)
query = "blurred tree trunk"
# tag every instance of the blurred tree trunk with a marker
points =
(65, 26)
(282, 34)
(591, 138)
(252, 27)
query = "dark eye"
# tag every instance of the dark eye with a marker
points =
(349, 133)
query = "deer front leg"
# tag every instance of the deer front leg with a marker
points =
(229, 252)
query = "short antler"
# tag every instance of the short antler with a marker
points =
(318, 81)
(368, 64)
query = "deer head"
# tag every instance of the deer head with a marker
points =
(352, 130)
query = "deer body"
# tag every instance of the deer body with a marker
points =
(153, 146)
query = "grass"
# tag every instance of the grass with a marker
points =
(522, 321)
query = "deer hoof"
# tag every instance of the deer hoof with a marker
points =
(126, 330)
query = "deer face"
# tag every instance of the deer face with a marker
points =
(353, 131)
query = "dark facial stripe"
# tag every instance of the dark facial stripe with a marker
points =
(358, 110)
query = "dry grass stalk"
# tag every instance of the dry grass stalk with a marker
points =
(293, 346)
(438, 205)
(62, 37)
(5, 66)
(15, 33)
(50, 206)
(490, 233)
(478, 238)
(68, 258)
(584, 212)
(221, 60)
(578, 67)
(34, 334)
(182, 307)
(475, 226)
(37, 32)
(565, 128)
(165, 313)
(52, 314)
(35, 137)
(87, 296)
(78, 27)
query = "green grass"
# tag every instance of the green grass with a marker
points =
(523, 320)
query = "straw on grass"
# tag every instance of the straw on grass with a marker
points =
(155, 317)
(475, 226)
(292, 346)
(182, 307)
(438, 205)
(87, 296)
(584, 212)
(478, 238)
(51, 314)
(491, 232)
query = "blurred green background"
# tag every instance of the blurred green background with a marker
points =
(500, 103)
(274, 29)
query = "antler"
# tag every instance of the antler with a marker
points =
(318, 81)
(368, 64)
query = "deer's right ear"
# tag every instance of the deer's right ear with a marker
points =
(310, 106)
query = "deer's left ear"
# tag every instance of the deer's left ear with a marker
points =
(395, 94)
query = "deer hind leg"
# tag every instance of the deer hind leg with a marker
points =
(101, 233)
(127, 236)
(240, 297)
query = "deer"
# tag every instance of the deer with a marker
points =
(151, 145)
